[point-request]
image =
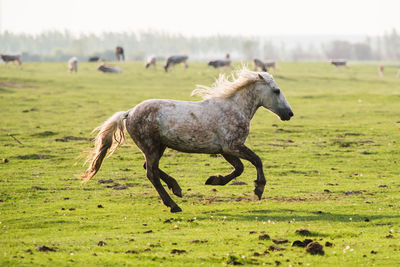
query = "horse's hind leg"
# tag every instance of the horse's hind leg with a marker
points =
(223, 180)
(153, 173)
(171, 182)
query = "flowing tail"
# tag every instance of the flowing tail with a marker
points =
(110, 137)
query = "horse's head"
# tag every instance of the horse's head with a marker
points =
(272, 98)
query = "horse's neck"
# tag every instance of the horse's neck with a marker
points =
(247, 100)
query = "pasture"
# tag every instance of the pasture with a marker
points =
(333, 169)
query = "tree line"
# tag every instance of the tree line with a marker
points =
(60, 46)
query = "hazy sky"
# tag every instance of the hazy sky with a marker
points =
(203, 17)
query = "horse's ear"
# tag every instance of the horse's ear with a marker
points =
(261, 77)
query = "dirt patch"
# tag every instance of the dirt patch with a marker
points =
(238, 183)
(348, 193)
(14, 85)
(301, 244)
(196, 241)
(298, 243)
(38, 187)
(344, 143)
(352, 134)
(29, 110)
(34, 156)
(233, 260)
(264, 237)
(285, 131)
(288, 199)
(315, 248)
(131, 252)
(303, 232)
(101, 243)
(177, 251)
(46, 249)
(44, 134)
(120, 187)
(108, 181)
(275, 248)
(280, 240)
(73, 138)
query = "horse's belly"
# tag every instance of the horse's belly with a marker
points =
(191, 140)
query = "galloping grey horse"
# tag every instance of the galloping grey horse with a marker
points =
(217, 125)
(173, 60)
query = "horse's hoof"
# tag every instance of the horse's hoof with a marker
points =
(211, 180)
(176, 209)
(177, 192)
(214, 180)
(259, 192)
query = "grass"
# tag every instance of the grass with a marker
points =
(333, 169)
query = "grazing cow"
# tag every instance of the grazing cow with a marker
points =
(11, 58)
(94, 59)
(109, 68)
(119, 53)
(173, 60)
(151, 61)
(219, 63)
(219, 124)
(73, 65)
(264, 66)
(339, 63)
(381, 70)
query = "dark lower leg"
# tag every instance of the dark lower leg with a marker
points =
(246, 153)
(223, 180)
(153, 175)
(170, 181)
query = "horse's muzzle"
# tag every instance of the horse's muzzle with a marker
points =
(287, 116)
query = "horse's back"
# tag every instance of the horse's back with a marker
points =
(181, 125)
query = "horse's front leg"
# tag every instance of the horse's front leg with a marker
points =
(223, 180)
(245, 153)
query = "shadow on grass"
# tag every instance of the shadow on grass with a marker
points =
(287, 215)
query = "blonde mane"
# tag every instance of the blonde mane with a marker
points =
(224, 87)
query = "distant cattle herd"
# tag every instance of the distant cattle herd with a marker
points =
(171, 61)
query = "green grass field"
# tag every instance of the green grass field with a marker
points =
(333, 169)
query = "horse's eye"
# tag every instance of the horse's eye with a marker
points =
(277, 91)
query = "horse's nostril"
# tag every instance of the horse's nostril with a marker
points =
(291, 114)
